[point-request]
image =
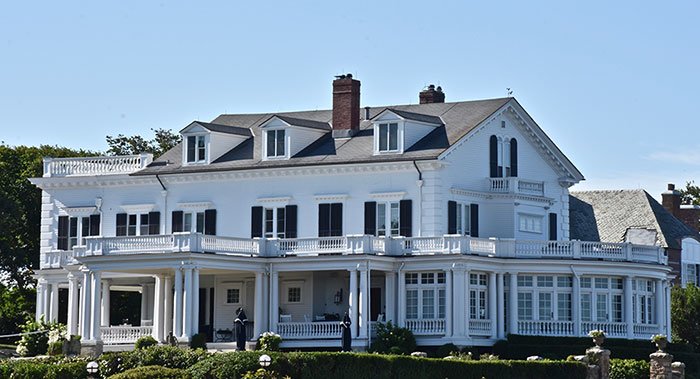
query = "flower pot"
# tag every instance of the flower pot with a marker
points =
(661, 344)
(598, 341)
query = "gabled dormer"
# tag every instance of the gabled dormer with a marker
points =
(283, 137)
(204, 142)
(395, 131)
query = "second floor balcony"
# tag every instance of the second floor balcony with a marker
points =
(93, 166)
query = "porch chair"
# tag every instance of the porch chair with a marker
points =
(285, 318)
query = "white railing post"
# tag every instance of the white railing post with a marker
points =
(628, 251)
(505, 247)
(47, 167)
(146, 159)
(576, 249)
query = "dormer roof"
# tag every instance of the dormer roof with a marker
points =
(412, 116)
(218, 128)
(300, 122)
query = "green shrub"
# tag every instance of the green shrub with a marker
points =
(269, 341)
(50, 368)
(152, 372)
(629, 369)
(390, 337)
(199, 341)
(446, 349)
(144, 342)
(31, 345)
(166, 356)
(55, 348)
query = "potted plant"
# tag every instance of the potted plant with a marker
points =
(71, 346)
(660, 340)
(598, 336)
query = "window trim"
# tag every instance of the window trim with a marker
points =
(438, 287)
(285, 145)
(204, 137)
(537, 219)
(400, 129)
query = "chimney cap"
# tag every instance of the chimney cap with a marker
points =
(671, 186)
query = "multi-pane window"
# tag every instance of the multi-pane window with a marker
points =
(196, 149)
(425, 295)
(330, 219)
(691, 274)
(478, 296)
(388, 219)
(72, 230)
(138, 224)
(233, 296)
(294, 295)
(544, 297)
(525, 305)
(463, 220)
(644, 304)
(564, 306)
(275, 143)
(274, 222)
(602, 299)
(193, 222)
(388, 137)
(530, 223)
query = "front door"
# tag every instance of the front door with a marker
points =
(375, 303)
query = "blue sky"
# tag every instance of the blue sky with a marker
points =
(613, 83)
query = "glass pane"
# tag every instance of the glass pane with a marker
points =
(394, 219)
(393, 136)
(525, 305)
(458, 217)
(586, 307)
(200, 149)
(428, 304)
(188, 222)
(132, 225)
(381, 219)
(200, 222)
(411, 304)
(271, 143)
(144, 224)
(191, 146)
(280, 223)
(280, 143)
(601, 307)
(441, 303)
(482, 305)
(545, 306)
(564, 307)
(269, 223)
(383, 146)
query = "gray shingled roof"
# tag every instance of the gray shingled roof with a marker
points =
(459, 119)
(608, 215)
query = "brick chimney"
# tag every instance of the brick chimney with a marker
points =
(346, 106)
(671, 200)
(431, 95)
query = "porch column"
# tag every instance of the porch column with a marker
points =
(500, 307)
(493, 309)
(195, 301)
(96, 334)
(401, 300)
(258, 306)
(85, 297)
(629, 310)
(158, 311)
(177, 330)
(167, 305)
(448, 303)
(73, 306)
(576, 304)
(105, 303)
(659, 296)
(364, 302)
(53, 313)
(668, 308)
(187, 299)
(459, 318)
(352, 302)
(390, 292)
(274, 300)
(144, 303)
(41, 285)
(513, 304)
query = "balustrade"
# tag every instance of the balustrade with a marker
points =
(309, 330)
(646, 330)
(123, 334)
(88, 166)
(426, 327)
(479, 327)
(546, 328)
(516, 185)
(612, 329)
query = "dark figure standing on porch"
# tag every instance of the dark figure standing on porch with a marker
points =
(347, 336)
(239, 324)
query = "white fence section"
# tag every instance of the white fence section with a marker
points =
(646, 330)
(119, 335)
(479, 327)
(309, 330)
(516, 185)
(611, 329)
(89, 166)
(426, 327)
(546, 328)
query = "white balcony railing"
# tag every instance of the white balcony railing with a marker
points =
(546, 328)
(516, 185)
(89, 166)
(426, 327)
(309, 330)
(646, 330)
(119, 335)
(611, 329)
(479, 327)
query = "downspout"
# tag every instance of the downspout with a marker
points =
(164, 194)
(369, 302)
(419, 183)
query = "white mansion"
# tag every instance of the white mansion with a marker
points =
(451, 219)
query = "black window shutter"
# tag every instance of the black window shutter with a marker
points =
(178, 223)
(210, 222)
(406, 218)
(62, 233)
(474, 220)
(94, 225)
(153, 223)
(324, 217)
(256, 222)
(290, 221)
(451, 217)
(493, 157)
(336, 219)
(371, 218)
(552, 226)
(513, 157)
(121, 224)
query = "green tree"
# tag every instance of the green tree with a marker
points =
(685, 314)
(163, 141)
(690, 194)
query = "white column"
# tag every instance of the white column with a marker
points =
(177, 322)
(513, 304)
(258, 306)
(401, 300)
(352, 302)
(576, 304)
(500, 306)
(85, 305)
(53, 313)
(275, 300)
(459, 296)
(493, 308)
(668, 308)
(40, 308)
(144, 303)
(187, 299)
(167, 306)
(629, 311)
(105, 303)
(158, 311)
(364, 303)
(73, 306)
(96, 334)
(660, 297)
(448, 303)
(195, 301)
(390, 296)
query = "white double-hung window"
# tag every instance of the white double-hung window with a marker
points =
(275, 146)
(388, 137)
(196, 149)
(388, 219)
(425, 295)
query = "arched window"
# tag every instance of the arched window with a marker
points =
(495, 162)
(513, 158)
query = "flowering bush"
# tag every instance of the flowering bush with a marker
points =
(656, 338)
(38, 336)
(596, 333)
(269, 341)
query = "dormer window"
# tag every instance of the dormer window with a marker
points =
(388, 137)
(196, 149)
(276, 143)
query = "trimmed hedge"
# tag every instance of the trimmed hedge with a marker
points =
(152, 372)
(629, 369)
(43, 368)
(166, 356)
